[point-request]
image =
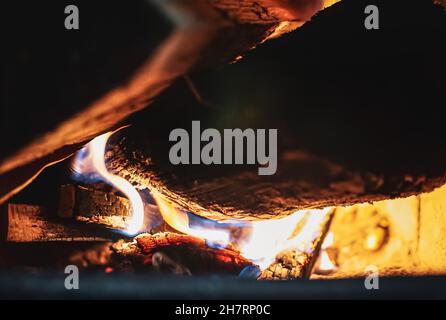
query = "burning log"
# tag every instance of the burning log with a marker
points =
(320, 162)
(84, 202)
(28, 223)
(101, 208)
(183, 253)
(290, 264)
(303, 180)
(93, 206)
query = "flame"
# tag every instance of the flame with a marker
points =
(329, 3)
(259, 241)
(270, 237)
(179, 220)
(90, 162)
(325, 264)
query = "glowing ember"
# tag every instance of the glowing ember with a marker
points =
(89, 164)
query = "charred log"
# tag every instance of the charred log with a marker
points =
(181, 254)
(98, 207)
(341, 141)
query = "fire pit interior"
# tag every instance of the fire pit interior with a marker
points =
(360, 178)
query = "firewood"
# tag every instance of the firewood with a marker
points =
(93, 206)
(129, 65)
(31, 223)
(182, 251)
(102, 208)
(290, 264)
(303, 180)
(328, 136)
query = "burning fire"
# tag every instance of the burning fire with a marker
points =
(325, 265)
(90, 163)
(259, 241)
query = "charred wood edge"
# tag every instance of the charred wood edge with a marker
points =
(31, 223)
(212, 195)
(318, 244)
(101, 208)
(181, 254)
(206, 42)
(294, 264)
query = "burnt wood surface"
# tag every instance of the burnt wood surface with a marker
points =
(359, 116)
(184, 251)
(98, 207)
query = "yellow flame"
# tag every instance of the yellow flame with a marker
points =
(328, 3)
(325, 264)
(270, 237)
(179, 220)
(95, 162)
(264, 239)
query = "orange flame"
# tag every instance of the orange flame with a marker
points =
(179, 220)
(95, 163)
(264, 240)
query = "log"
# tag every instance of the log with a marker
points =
(341, 141)
(190, 253)
(102, 208)
(31, 223)
(129, 64)
(96, 206)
